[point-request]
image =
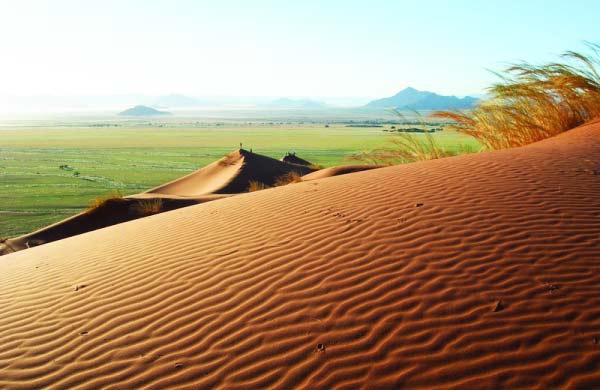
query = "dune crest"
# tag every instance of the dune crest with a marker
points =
(230, 175)
(336, 171)
(477, 271)
(293, 159)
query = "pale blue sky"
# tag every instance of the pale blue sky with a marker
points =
(278, 48)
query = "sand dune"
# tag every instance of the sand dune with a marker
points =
(473, 272)
(336, 171)
(293, 159)
(230, 175)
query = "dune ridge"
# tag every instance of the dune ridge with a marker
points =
(477, 271)
(337, 171)
(230, 175)
(115, 211)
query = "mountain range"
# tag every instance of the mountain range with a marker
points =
(409, 98)
(413, 99)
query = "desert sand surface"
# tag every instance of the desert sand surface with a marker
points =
(472, 272)
(336, 171)
(112, 212)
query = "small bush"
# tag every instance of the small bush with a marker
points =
(257, 186)
(288, 178)
(148, 206)
(103, 201)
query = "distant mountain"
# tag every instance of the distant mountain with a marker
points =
(295, 103)
(410, 98)
(143, 111)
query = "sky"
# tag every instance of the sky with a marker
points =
(278, 48)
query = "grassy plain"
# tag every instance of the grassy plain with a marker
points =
(49, 172)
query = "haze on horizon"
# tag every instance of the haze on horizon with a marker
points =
(269, 48)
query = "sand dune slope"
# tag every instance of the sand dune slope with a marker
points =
(336, 171)
(112, 212)
(230, 175)
(473, 272)
(293, 159)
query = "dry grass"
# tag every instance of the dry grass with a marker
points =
(114, 197)
(534, 102)
(257, 186)
(407, 148)
(148, 206)
(288, 178)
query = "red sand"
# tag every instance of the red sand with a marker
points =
(473, 272)
(336, 171)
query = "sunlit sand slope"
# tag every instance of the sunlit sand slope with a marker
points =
(112, 212)
(336, 171)
(473, 272)
(230, 175)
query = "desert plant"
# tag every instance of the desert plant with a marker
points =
(257, 186)
(148, 206)
(288, 178)
(113, 197)
(534, 102)
(409, 147)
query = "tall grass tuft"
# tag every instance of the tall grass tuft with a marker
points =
(534, 102)
(114, 197)
(288, 178)
(257, 186)
(408, 147)
(146, 207)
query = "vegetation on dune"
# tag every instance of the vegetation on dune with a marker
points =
(534, 102)
(103, 202)
(407, 148)
(146, 207)
(257, 186)
(288, 178)
(529, 104)
(140, 207)
(411, 146)
(285, 179)
(115, 202)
